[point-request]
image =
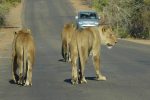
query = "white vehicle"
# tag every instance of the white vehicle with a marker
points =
(87, 18)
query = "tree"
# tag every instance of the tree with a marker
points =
(115, 12)
(146, 17)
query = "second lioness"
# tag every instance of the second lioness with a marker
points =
(88, 41)
(66, 36)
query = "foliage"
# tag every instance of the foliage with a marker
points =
(4, 8)
(131, 16)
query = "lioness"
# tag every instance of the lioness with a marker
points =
(87, 41)
(23, 57)
(66, 36)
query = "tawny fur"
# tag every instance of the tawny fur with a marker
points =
(23, 57)
(88, 41)
(66, 36)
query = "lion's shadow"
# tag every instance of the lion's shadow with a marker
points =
(11, 81)
(62, 60)
(87, 78)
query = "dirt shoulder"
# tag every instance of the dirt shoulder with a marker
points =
(13, 23)
(80, 5)
(83, 5)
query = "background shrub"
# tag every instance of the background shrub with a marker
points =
(126, 16)
(5, 5)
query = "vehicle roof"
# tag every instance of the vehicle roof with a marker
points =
(87, 11)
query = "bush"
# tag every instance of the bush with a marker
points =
(2, 20)
(4, 8)
(133, 16)
(121, 33)
(146, 34)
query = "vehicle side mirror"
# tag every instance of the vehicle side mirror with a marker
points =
(76, 17)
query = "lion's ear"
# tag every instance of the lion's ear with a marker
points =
(74, 26)
(104, 29)
(15, 33)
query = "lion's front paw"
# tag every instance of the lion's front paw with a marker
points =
(28, 83)
(83, 80)
(20, 82)
(74, 81)
(101, 78)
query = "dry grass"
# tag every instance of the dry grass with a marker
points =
(80, 5)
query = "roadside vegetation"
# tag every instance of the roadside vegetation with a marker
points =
(5, 5)
(129, 18)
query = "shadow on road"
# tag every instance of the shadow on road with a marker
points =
(62, 60)
(12, 82)
(68, 81)
(88, 78)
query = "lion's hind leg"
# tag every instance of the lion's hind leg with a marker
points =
(74, 57)
(20, 65)
(65, 51)
(14, 69)
(74, 72)
(29, 74)
(83, 55)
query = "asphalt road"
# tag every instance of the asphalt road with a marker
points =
(127, 65)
